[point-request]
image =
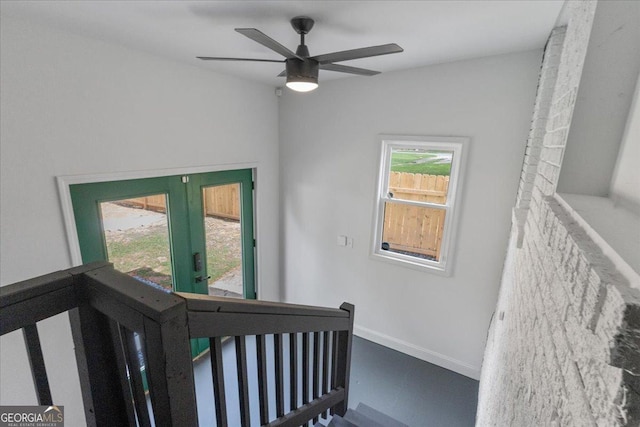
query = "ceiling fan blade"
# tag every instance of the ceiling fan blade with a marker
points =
(282, 74)
(364, 52)
(265, 40)
(350, 70)
(218, 58)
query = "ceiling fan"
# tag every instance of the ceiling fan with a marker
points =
(301, 68)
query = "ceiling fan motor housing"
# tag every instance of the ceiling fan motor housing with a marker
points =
(302, 71)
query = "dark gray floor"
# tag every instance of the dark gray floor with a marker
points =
(410, 390)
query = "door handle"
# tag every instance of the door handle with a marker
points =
(202, 279)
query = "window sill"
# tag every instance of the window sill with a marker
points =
(614, 228)
(414, 265)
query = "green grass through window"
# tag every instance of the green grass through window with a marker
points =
(420, 162)
(146, 254)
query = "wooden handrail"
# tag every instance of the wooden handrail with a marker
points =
(216, 317)
(29, 301)
(199, 302)
(126, 332)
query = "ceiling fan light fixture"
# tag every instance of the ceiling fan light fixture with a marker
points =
(302, 86)
(302, 76)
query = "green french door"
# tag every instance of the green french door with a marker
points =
(186, 233)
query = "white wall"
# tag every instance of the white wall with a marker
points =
(71, 105)
(625, 185)
(605, 93)
(329, 163)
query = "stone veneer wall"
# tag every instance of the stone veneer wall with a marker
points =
(564, 344)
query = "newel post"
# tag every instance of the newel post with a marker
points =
(170, 373)
(343, 359)
(102, 395)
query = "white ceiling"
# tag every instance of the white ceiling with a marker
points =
(429, 31)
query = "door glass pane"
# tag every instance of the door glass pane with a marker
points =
(420, 174)
(137, 237)
(413, 230)
(221, 204)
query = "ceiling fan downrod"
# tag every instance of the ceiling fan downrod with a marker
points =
(302, 25)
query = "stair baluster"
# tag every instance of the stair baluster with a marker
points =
(129, 335)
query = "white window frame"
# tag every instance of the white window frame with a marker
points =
(458, 146)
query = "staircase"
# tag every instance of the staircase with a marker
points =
(362, 416)
(131, 337)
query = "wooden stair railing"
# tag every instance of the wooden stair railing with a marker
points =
(127, 333)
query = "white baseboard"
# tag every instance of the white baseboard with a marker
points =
(418, 352)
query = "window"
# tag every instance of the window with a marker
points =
(418, 186)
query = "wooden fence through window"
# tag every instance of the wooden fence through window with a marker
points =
(412, 229)
(221, 201)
